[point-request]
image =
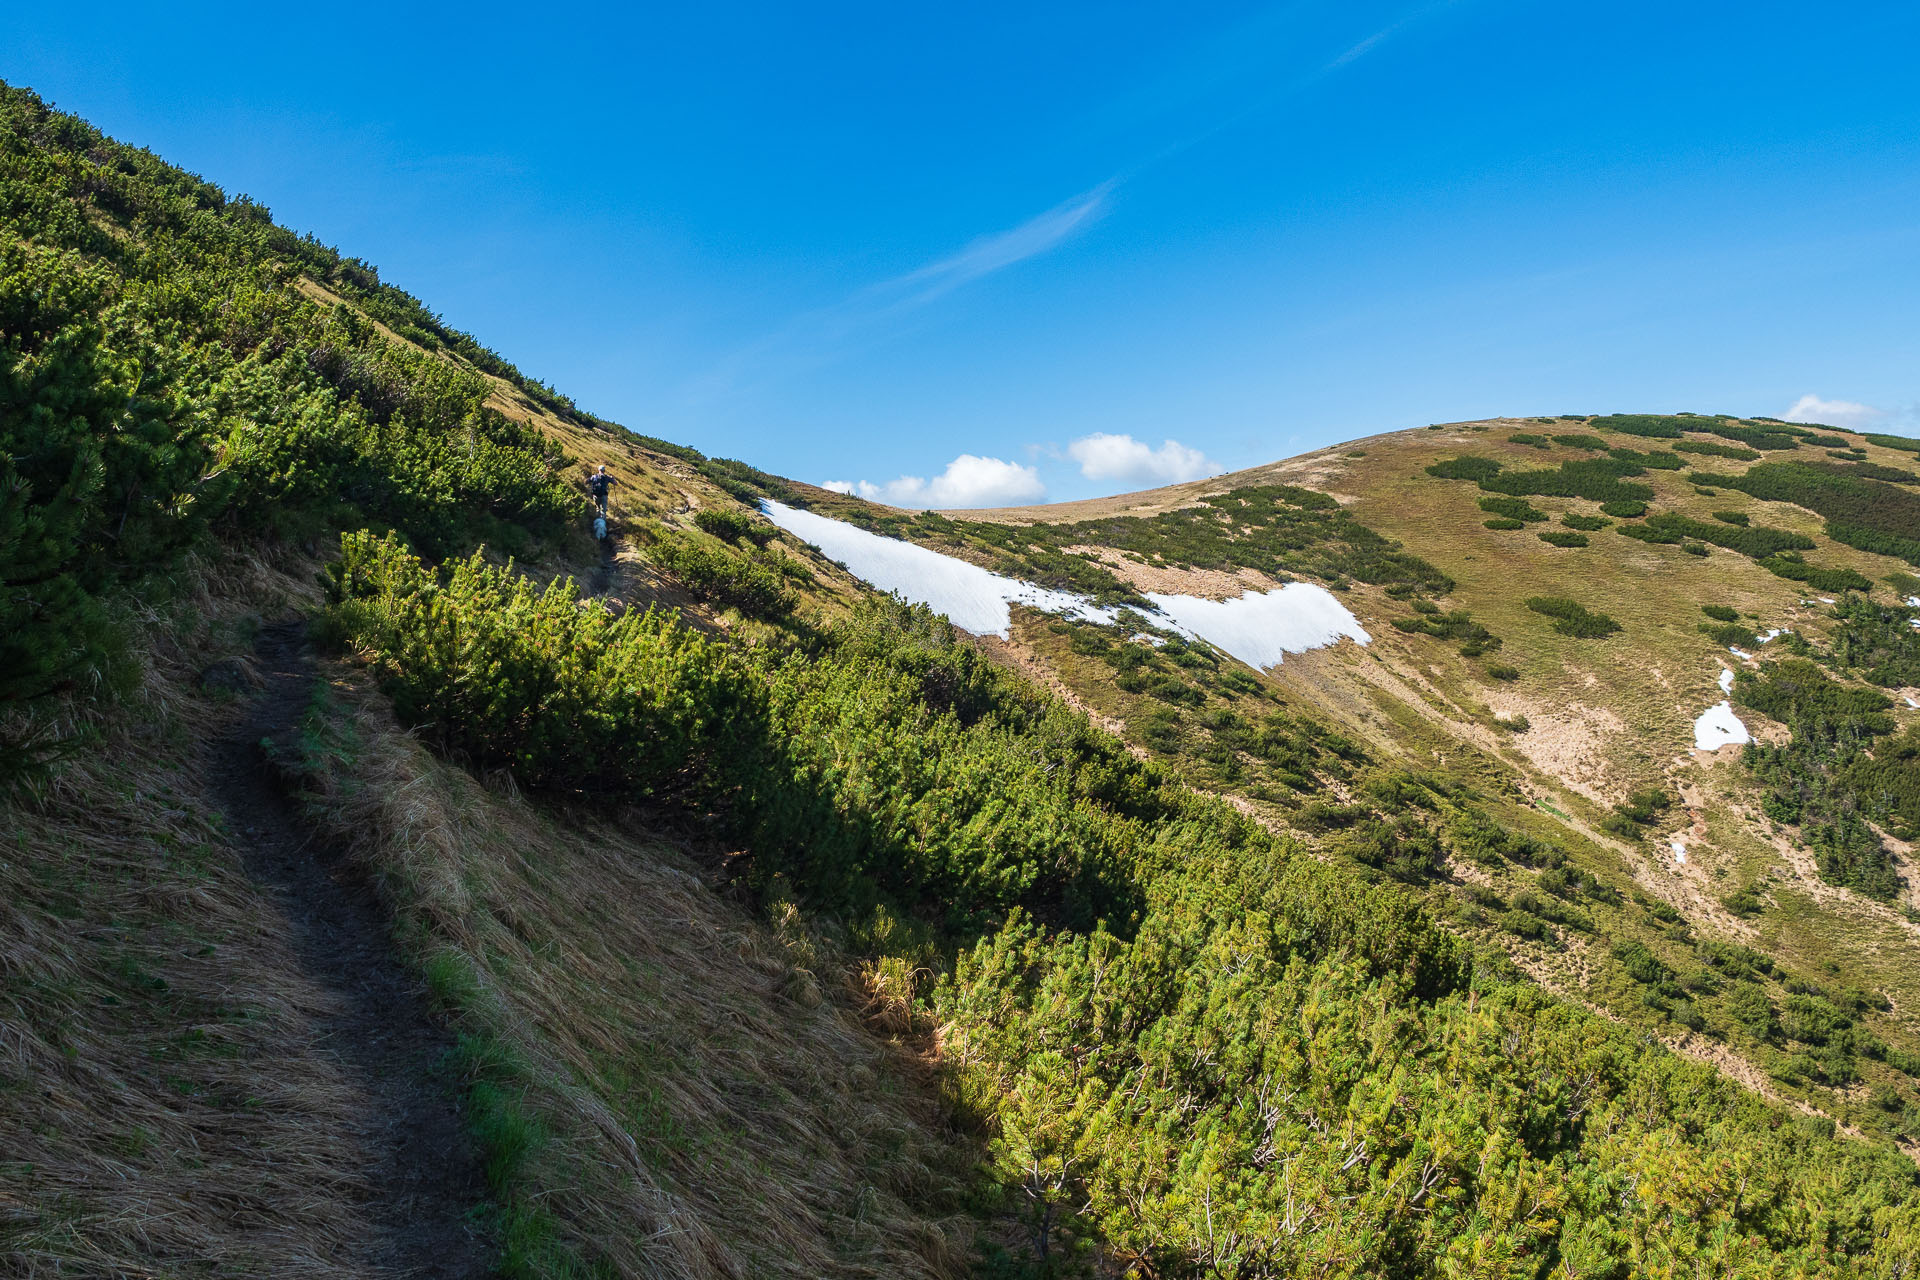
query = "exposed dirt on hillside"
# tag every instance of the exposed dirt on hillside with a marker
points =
(422, 1171)
(1208, 584)
(1567, 741)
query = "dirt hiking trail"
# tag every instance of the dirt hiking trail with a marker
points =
(421, 1168)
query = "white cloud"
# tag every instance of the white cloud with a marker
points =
(1122, 458)
(968, 481)
(1834, 413)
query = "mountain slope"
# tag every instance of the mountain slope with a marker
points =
(781, 929)
(1608, 721)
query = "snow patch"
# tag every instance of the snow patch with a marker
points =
(1679, 850)
(1739, 653)
(1718, 727)
(1726, 680)
(1259, 628)
(972, 598)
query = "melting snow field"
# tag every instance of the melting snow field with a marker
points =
(1258, 628)
(1261, 626)
(1726, 680)
(972, 598)
(1718, 727)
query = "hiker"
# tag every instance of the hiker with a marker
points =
(597, 484)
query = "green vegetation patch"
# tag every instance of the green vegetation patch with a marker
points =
(1861, 512)
(1512, 509)
(1527, 438)
(1570, 618)
(1794, 567)
(1638, 811)
(1658, 460)
(1624, 510)
(1712, 450)
(1720, 612)
(1457, 625)
(1503, 524)
(1888, 783)
(1647, 425)
(731, 525)
(1767, 436)
(752, 581)
(1877, 642)
(1874, 471)
(1749, 540)
(1824, 778)
(1595, 479)
(1562, 538)
(1594, 443)
(1730, 634)
(1586, 524)
(161, 377)
(1646, 533)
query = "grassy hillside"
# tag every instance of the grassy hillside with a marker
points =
(750, 925)
(1692, 542)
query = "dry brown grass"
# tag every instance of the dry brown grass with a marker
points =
(164, 1106)
(714, 1109)
(714, 1106)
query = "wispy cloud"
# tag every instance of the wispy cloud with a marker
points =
(1384, 34)
(816, 337)
(1239, 65)
(1240, 75)
(997, 252)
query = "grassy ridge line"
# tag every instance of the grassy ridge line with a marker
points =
(1261, 1003)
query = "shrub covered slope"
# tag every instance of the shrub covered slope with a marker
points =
(1179, 1043)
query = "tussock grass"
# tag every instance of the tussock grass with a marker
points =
(163, 1105)
(665, 1088)
(662, 1086)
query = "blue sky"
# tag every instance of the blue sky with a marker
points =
(999, 252)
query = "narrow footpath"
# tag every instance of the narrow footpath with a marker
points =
(422, 1167)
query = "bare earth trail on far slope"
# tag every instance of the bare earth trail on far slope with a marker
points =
(421, 1170)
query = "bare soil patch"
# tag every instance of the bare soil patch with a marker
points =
(1208, 584)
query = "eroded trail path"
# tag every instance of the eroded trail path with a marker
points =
(421, 1171)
